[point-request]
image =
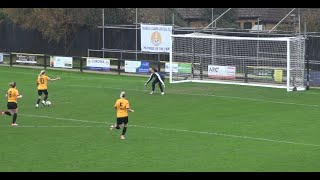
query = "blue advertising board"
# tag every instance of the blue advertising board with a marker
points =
(144, 67)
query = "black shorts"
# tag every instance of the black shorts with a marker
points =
(45, 92)
(122, 120)
(12, 105)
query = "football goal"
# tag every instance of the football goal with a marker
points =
(266, 62)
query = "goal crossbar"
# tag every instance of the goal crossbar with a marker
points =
(232, 37)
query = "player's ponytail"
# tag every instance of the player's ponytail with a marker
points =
(42, 72)
(122, 94)
(13, 84)
(155, 69)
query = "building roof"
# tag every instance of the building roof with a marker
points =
(190, 13)
(273, 15)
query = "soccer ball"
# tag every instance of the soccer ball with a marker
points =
(48, 103)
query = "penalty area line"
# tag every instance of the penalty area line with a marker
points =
(178, 130)
(205, 95)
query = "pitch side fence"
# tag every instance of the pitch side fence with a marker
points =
(115, 65)
(118, 59)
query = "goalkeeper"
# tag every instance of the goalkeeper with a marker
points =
(159, 78)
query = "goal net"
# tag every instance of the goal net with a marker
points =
(266, 62)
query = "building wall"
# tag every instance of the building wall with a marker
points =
(241, 22)
(267, 26)
(198, 23)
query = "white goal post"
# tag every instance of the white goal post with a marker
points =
(276, 62)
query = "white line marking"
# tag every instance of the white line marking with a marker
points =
(54, 126)
(190, 94)
(66, 102)
(182, 130)
(65, 119)
(252, 99)
(82, 77)
(313, 93)
(208, 95)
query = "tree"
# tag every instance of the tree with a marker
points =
(2, 14)
(309, 16)
(57, 24)
(228, 20)
(312, 20)
(158, 16)
(119, 15)
(60, 25)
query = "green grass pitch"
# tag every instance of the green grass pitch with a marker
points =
(193, 127)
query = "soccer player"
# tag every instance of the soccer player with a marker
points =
(122, 107)
(42, 83)
(159, 78)
(12, 95)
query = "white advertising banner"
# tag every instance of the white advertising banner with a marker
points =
(26, 59)
(97, 64)
(131, 66)
(221, 72)
(1, 58)
(61, 62)
(156, 38)
(174, 67)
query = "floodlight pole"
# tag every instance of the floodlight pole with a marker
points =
(217, 19)
(212, 18)
(213, 43)
(258, 40)
(294, 23)
(173, 19)
(299, 22)
(103, 31)
(136, 33)
(307, 59)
